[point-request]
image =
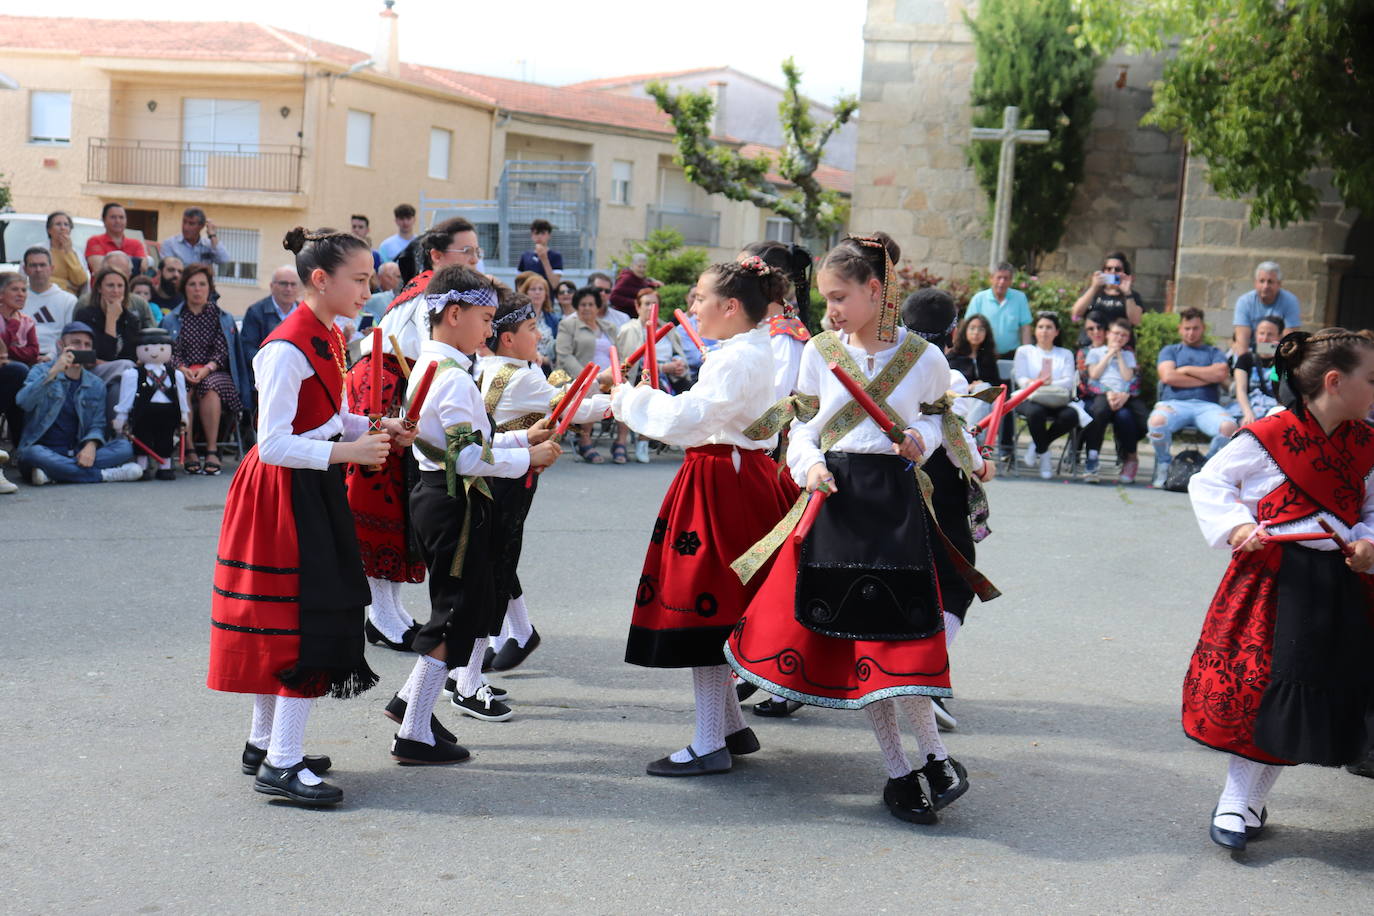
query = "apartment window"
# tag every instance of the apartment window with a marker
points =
(621, 174)
(440, 148)
(358, 146)
(50, 117)
(777, 229)
(242, 267)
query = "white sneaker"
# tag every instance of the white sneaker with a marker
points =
(1031, 456)
(38, 478)
(4, 456)
(7, 485)
(1046, 466)
(642, 451)
(125, 472)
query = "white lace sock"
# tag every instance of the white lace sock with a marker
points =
(429, 675)
(288, 736)
(260, 731)
(733, 719)
(518, 624)
(407, 691)
(921, 711)
(1244, 780)
(469, 677)
(952, 625)
(710, 732)
(882, 716)
(399, 607)
(382, 613)
(1259, 794)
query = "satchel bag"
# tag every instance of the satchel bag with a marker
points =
(1052, 396)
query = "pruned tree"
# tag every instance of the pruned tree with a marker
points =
(718, 169)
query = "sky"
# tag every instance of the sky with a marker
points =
(560, 41)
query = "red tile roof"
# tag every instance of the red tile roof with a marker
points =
(614, 81)
(830, 177)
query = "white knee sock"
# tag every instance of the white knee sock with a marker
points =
(733, 719)
(517, 624)
(952, 625)
(429, 675)
(710, 730)
(260, 731)
(398, 607)
(469, 677)
(288, 735)
(921, 711)
(882, 715)
(382, 612)
(1259, 793)
(1245, 779)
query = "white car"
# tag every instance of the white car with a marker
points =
(21, 231)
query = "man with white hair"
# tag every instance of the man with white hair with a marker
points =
(264, 315)
(1267, 298)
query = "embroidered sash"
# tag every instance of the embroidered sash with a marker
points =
(1322, 474)
(498, 386)
(848, 417)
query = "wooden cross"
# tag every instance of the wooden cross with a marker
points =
(1008, 136)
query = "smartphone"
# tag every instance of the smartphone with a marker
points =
(84, 357)
(1111, 279)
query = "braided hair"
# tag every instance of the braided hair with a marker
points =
(751, 281)
(1303, 359)
(859, 263)
(323, 249)
(793, 261)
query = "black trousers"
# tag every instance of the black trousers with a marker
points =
(12, 376)
(1047, 423)
(1128, 423)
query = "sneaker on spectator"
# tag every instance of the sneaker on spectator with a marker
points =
(7, 485)
(4, 456)
(1161, 475)
(642, 451)
(38, 478)
(1031, 456)
(1091, 467)
(1129, 468)
(125, 472)
(1046, 466)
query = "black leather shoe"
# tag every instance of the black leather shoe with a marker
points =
(286, 783)
(417, 753)
(487, 659)
(164, 474)
(772, 709)
(408, 637)
(1364, 768)
(378, 638)
(512, 654)
(1230, 839)
(947, 780)
(742, 742)
(254, 756)
(396, 712)
(1252, 833)
(907, 801)
(714, 762)
(744, 690)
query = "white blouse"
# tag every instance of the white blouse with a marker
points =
(280, 369)
(787, 351)
(926, 383)
(454, 398)
(734, 389)
(1227, 491)
(1029, 361)
(529, 391)
(409, 322)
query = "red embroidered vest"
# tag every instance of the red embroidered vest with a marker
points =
(1323, 474)
(791, 327)
(418, 284)
(323, 347)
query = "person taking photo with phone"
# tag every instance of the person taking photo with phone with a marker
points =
(1109, 292)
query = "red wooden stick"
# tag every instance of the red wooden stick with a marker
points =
(562, 405)
(813, 508)
(1014, 401)
(572, 408)
(999, 410)
(686, 326)
(651, 353)
(1296, 536)
(374, 400)
(870, 406)
(151, 454)
(1340, 541)
(617, 377)
(638, 352)
(421, 392)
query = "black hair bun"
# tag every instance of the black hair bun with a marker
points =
(295, 240)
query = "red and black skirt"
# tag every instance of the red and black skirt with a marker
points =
(1281, 673)
(688, 597)
(379, 498)
(283, 620)
(853, 614)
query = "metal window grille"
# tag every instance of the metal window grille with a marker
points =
(242, 266)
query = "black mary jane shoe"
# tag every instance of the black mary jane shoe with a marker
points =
(773, 709)
(378, 638)
(947, 780)
(253, 757)
(487, 659)
(396, 712)
(512, 654)
(907, 801)
(1233, 840)
(744, 690)
(417, 753)
(742, 742)
(285, 782)
(1253, 833)
(705, 765)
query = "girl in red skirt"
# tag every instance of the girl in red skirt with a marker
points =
(1281, 674)
(852, 618)
(727, 494)
(287, 612)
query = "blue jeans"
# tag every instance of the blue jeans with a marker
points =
(62, 466)
(1204, 416)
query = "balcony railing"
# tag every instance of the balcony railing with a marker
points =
(214, 166)
(697, 228)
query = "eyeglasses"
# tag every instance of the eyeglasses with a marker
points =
(466, 250)
(1116, 267)
(285, 283)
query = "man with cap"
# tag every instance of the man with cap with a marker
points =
(152, 395)
(64, 419)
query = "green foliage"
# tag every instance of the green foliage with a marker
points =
(5, 195)
(1265, 91)
(672, 296)
(1028, 57)
(815, 211)
(669, 262)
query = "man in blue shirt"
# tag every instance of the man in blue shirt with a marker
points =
(1267, 298)
(264, 315)
(404, 214)
(1008, 311)
(198, 242)
(1191, 374)
(542, 259)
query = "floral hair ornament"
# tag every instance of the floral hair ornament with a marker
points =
(754, 264)
(437, 302)
(890, 310)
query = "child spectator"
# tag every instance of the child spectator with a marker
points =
(1113, 384)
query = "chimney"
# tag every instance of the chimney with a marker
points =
(717, 89)
(388, 55)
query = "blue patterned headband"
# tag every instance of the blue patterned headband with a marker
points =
(437, 302)
(512, 320)
(933, 336)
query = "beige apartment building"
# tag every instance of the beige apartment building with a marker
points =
(267, 129)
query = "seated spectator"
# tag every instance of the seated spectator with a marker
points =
(388, 282)
(1006, 310)
(112, 316)
(584, 337)
(1109, 294)
(974, 355)
(631, 280)
(1267, 298)
(393, 245)
(534, 287)
(1190, 375)
(1257, 382)
(264, 315)
(1095, 329)
(673, 373)
(1114, 384)
(114, 239)
(1047, 411)
(542, 259)
(64, 420)
(167, 293)
(68, 267)
(49, 305)
(119, 261)
(198, 242)
(202, 351)
(18, 349)
(143, 286)
(564, 294)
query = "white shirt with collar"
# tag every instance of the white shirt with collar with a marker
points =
(408, 323)
(734, 389)
(280, 370)
(454, 398)
(529, 391)
(128, 388)
(925, 383)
